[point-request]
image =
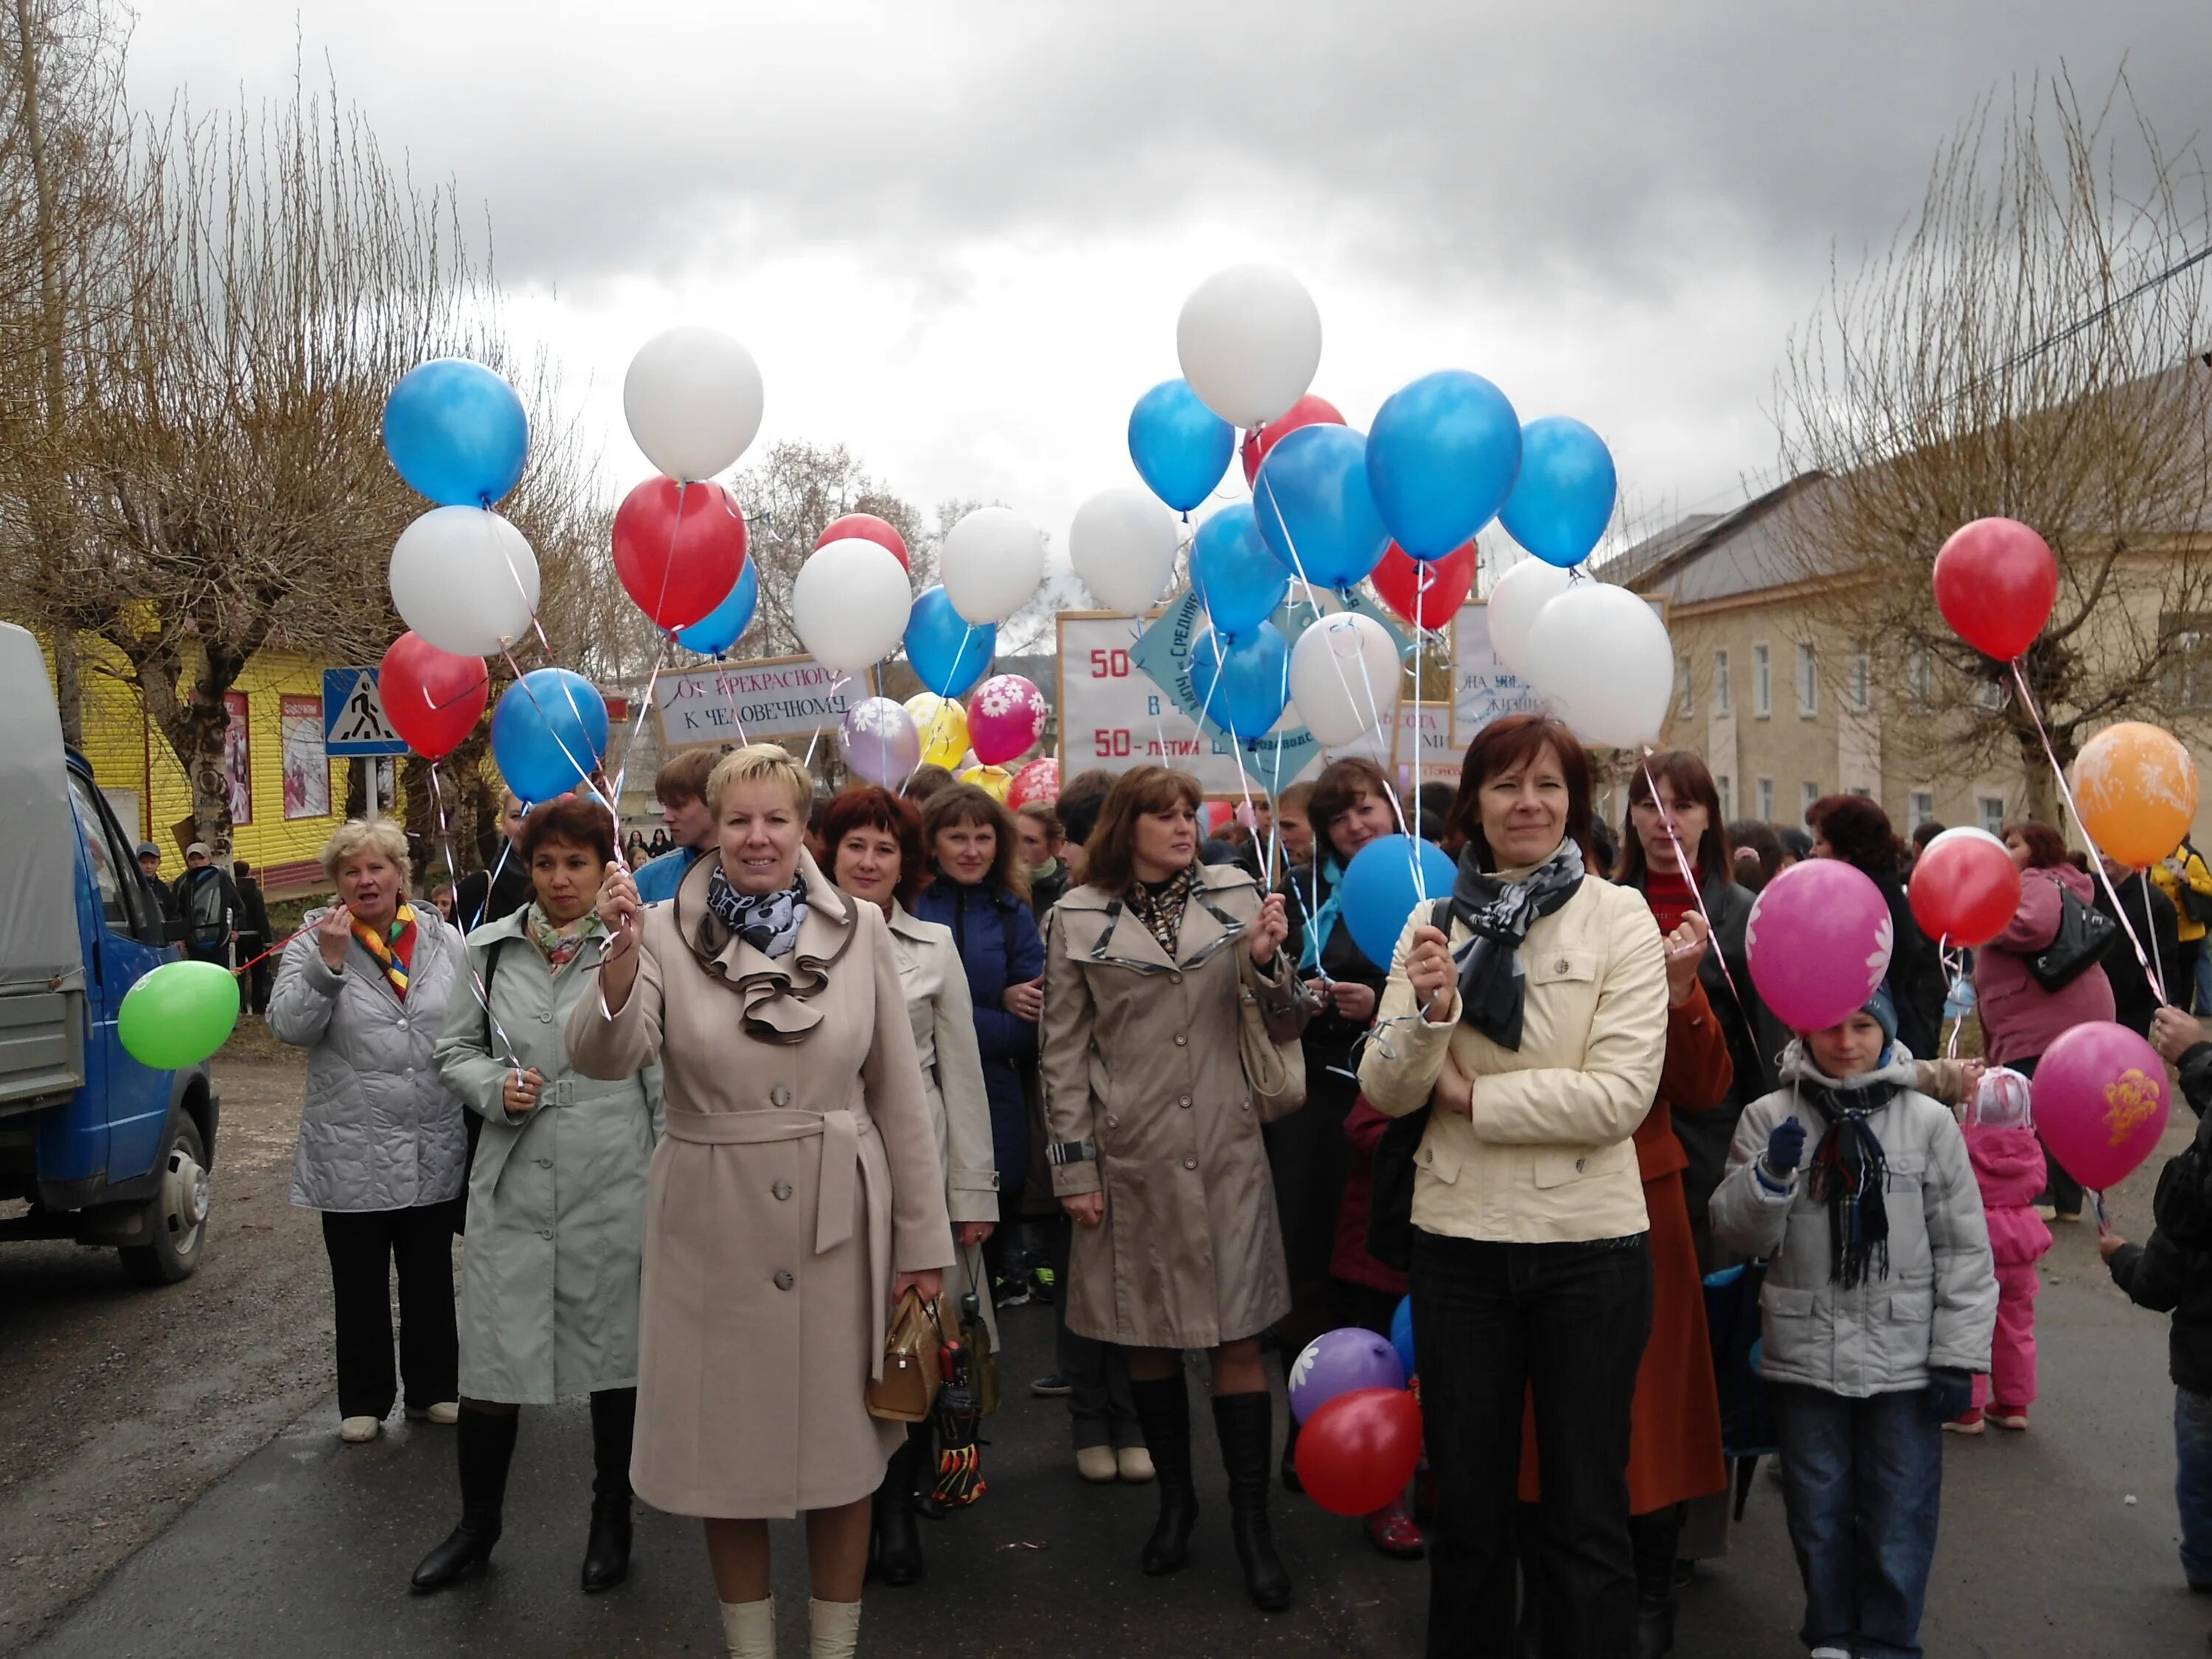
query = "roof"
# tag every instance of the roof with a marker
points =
(1715, 556)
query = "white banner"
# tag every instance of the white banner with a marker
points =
(743, 702)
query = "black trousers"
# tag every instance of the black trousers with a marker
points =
(1308, 1157)
(2060, 1189)
(1492, 1323)
(1100, 1407)
(364, 1246)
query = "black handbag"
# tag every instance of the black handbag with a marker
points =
(2085, 934)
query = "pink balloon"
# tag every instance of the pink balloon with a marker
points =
(2101, 1102)
(1005, 718)
(1819, 939)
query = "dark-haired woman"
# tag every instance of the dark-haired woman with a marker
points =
(875, 850)
(2019, 1019)
(1157, 1155)
(1855, 830)
(557, 1199)
(1538, 1026)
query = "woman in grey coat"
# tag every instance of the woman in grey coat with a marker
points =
(363, 987)
(557, 1199)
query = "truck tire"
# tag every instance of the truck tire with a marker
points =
(176, 1217)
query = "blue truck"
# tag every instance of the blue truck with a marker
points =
(94, 1146)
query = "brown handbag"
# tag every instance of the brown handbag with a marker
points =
(1274, 1072)
(907, 1391)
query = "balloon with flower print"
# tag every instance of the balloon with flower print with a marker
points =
(1005, 718)
(879, 741)
(1037, 781)
(1818, 940)
(2136, 787)
(2101, 1102)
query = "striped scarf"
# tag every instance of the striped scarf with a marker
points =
(396, 956)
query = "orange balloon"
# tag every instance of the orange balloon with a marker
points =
(2136, 787)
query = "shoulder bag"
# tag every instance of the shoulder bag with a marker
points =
(2085, 934)
(1274, 1072)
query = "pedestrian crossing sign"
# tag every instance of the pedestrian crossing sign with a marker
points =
(354, 721)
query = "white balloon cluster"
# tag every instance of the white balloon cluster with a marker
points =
(1599, 654)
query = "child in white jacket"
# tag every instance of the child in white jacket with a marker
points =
(1880, 1299)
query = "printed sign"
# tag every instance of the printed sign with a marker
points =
(743, 702)
(354, 721)
(306, 769)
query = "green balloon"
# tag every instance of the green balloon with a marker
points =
(179, 1015)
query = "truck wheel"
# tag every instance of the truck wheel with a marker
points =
(177, 1215)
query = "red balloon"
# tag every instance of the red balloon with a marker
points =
(679, 549)
(868, 528)
(1995, 581)
(1965, 887)
(1427, 593)
(1039, 781)
(1309, 411)
(433, 697)
(1358, 1452)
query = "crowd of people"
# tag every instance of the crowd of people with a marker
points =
(706, 1117)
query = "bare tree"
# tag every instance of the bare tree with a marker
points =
(788, 496)
(2027, 347)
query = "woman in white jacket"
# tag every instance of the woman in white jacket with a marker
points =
(1539, 1025)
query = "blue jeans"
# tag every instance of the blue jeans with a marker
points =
(2193, 1483)
(1862, 1480)
(2204, 977)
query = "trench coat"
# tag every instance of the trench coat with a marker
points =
(557, 1197)
(796, 1171)
(1141, 1073)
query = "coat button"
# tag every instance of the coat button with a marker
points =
(545, 1232)
(1184, 1102)
(403, 1022)
(781, 1189)
(779, 1096)
(544, 1163)
(784, 1281)
(1582, 1165)
(1190, 1163)
(1181, 1039)
(1113, 1122)
(1560, 966)
(546, 1017)
(1176, 978)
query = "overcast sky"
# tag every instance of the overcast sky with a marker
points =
(956, 235)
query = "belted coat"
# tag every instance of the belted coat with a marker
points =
(1146, 1101)
(796, 1173)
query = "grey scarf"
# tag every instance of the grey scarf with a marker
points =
(1491, 991)
(766, 921)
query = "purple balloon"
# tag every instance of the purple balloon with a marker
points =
(1341, 1362)
(1818, 940)
(879, 741)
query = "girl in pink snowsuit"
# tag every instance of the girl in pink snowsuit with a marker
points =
(2009, 1170)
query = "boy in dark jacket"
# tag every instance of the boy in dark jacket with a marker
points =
(2166, 1277)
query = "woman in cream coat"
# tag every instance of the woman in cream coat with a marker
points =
(795, 1193)
(876, 855)
(1538, 1027)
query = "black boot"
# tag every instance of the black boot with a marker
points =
(1163, 1413)
(1289, 1464)
(484, 1446)
(1245, 1423)
(897, 1541)
(1653, 1539)
(607, 1554)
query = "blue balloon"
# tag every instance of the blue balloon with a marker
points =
(949, 653)
(457, 431)
(1562, 500)
(1402, 1333)
(1182, 448)
(1380, 889)
(1442, 458)
(548, 734)
(1243, 684)
(1315, 508)
(1238, 581)
(718, 630)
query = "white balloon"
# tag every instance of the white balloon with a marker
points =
(693, 400)
(1249, 341)
(849, 604)
(1601, 656)
(1344, 677)
(1122, 544)
(1514, 601)
(991, 563)
(465, 579)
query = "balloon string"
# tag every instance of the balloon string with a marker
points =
(629, 744)
(2074, 807)
(1954, 969)
(729, 687)
(2150, 930)
(835, 686)
(482, 991)
(1697, 887)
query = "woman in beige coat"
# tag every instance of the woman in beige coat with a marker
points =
(1539, 1026)
(1157, 1154)
(795, 1194)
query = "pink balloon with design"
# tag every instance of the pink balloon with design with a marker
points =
(1005, 718)
(1819, 939)
(2101, 1102)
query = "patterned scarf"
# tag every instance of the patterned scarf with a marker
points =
(1849, 1174)
(395, 956)
(560, 945)
(1322, 922)
(1161, 910)
(1492, 995)
(766, 921)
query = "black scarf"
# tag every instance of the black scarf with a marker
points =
(1491, 991)
(1849, 1173)
(766, 921)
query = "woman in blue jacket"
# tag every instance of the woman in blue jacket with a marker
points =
(979, 888)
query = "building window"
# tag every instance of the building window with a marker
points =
(1766, 799)
(1728, 795)
(1920, 678)
(1924, 807)
(1857, 688)
(1988, 695)
(1809, 684)
(1685, 695)
(1762, 683)
(1724, 696)
(1809, 791)
(1989, 810)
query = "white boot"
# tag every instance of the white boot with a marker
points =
(836, 1627)
(750, 1628)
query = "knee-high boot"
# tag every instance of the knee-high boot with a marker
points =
(607, 1554)
(483, 1448)
(1163, 1411)
(1245, 1424)
(1653, 1539)
(897, 1539)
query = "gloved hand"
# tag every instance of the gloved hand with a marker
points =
(1950, 1392)
(1785, 1147)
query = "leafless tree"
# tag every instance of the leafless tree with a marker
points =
(2029, 347)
